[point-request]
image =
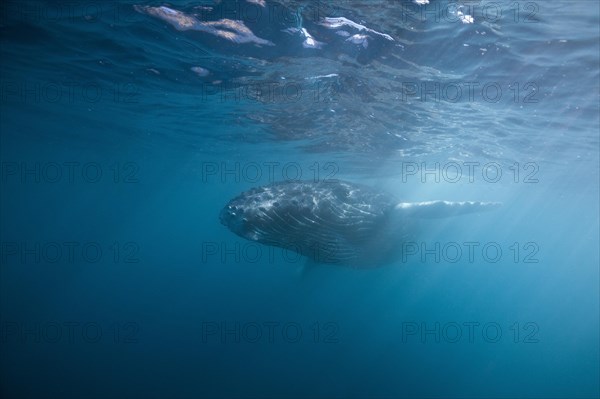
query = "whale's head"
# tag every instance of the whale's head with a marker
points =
(233, 217)
(248, 216)
(278, 214)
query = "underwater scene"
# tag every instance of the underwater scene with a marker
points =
(300, 199)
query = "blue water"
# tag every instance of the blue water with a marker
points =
(124, 133)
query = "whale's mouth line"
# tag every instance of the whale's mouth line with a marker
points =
(229, 218)
(222, 216)
(233, 217)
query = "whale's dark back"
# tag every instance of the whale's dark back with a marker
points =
(329, 222)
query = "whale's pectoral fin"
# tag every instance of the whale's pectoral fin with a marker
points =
(442, 209)
(306, 268)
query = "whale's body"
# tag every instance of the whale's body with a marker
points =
(333, 222)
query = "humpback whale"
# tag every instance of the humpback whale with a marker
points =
(334, 222)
